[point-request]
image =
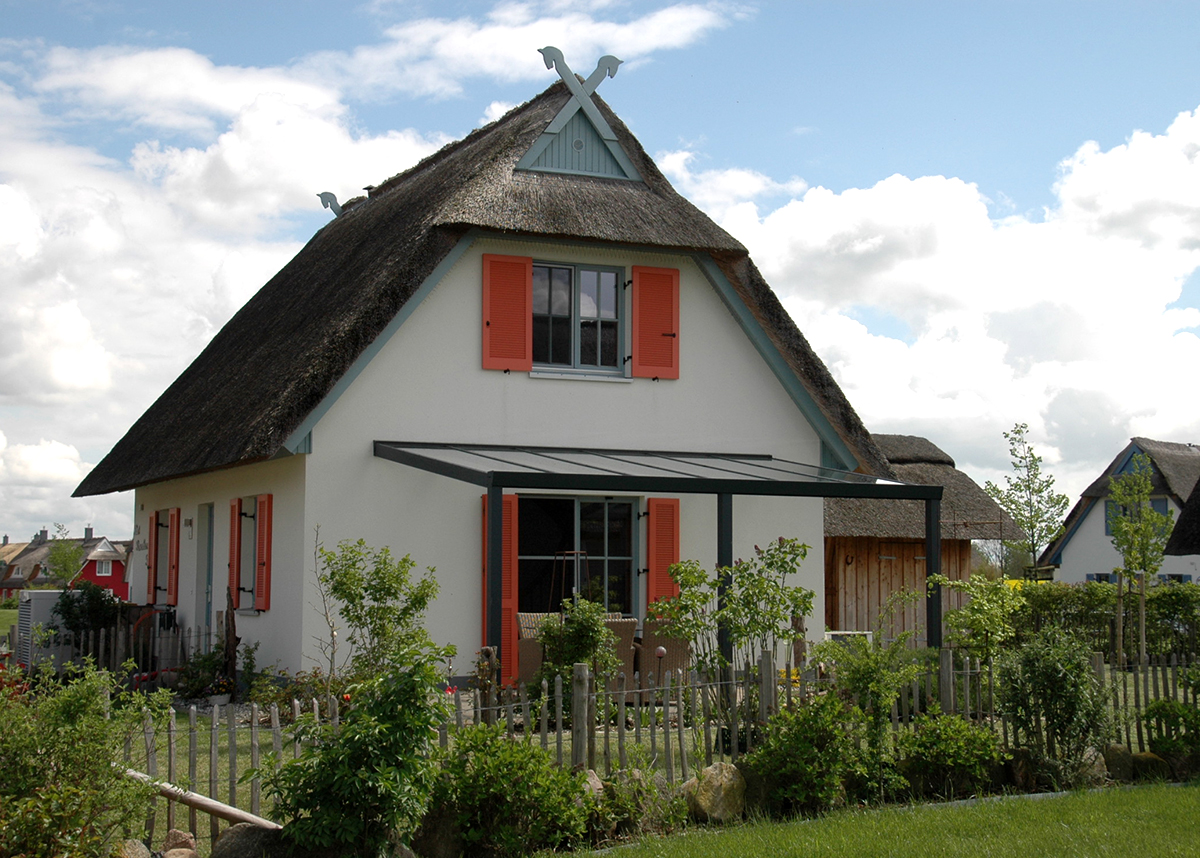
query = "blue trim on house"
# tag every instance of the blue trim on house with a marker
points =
(834, 452)
(302, 436)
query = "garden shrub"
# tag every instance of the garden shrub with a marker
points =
(508, 797)
(1051, 695)
(365, 785)
(579, 635)
(947, 756)
(636, 802)
(86, 608)
(197, 676)
(61, 794)
(1174, 728)
(805, 756)
(281, 688)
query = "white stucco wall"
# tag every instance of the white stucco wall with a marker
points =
(426, 384)
(277, 630)
(1090, 550)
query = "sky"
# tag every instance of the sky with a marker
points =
(979, 214)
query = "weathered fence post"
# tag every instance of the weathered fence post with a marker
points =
(579, 711)
(946, 679)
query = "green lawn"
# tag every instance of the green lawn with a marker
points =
(1147, 822)
(8, 617)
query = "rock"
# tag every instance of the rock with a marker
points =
(1022, 769)
(245, 840)
(180, 852)
(1150, 767)
(439, 835)
(133, 849)
(177, 839)
(1094, 771)
(1119, 761)
(717, 795)
(594, 785)
(758, 790)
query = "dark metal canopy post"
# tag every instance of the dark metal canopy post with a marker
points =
(724, 562)
(933, 566)
(495, 564)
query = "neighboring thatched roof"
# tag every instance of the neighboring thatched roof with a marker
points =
(967, 511)
(1185, 538)
(33, 558)
(282, 353)
(1176, 472)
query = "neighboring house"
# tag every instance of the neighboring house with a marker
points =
(1085, 552)
(8, 552)
(523, 322)
(875, 548)
(104, 565)
(1185, 538)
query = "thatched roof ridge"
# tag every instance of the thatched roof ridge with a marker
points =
(281, 354)
(1185, 538)
(967, 510)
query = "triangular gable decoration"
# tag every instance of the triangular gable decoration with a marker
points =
(579, 140)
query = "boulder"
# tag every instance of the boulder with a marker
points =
(1094, 770)
(1119, 761)
(718, 794)
(594, 785)
(439, 835)
(1023, 771)
(133, 849)
(180, 852)
(245, 840)
(177, 839)
(1150, 767)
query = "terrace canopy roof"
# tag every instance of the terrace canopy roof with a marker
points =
(498, 467)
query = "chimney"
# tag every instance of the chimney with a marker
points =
(5, 540)
(87, 532)
(42, 536)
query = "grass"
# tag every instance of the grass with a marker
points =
(8, 617)
(1147, 821)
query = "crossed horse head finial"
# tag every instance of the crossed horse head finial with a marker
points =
(606, 66)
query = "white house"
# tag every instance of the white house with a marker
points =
(531, 314)
(1084, 551)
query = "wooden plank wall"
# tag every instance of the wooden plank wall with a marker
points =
(862, 572)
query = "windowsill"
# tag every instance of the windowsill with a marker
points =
(247, 612)
(577, 375)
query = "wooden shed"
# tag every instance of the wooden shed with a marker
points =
(874, 548)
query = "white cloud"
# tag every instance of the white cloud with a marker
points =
(1062, 322)
(495, 110)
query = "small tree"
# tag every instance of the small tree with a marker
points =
(985, 622)
(65, 557)
(1029, 497)
(88, 607)
(1139, 533)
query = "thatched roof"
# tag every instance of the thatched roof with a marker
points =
(967, 511)
(1176, 470)
(1185, 538)
(282, 353)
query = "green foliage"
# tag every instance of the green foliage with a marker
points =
(508, 796)
(61, 750)
(985, 622)
(281, 688)
(634, 804)
(379, 601)
(579, 635)
(366, 785)
(1029, 497)
(86, 608)
(1139, 533)
(806, 754)
(1174, 728)
(9, 604)
(1052, 696)
(65, 557)
(758, 609)
(947, 756)
(197, 676)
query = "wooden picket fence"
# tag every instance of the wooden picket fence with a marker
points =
(156, 653)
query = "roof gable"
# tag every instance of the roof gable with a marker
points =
(253, 392)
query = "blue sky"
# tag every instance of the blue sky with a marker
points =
(976, 212)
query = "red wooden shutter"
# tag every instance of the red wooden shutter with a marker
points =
(152, 560)
(508, 589)
(655, 322)
(262, 554)
(662, 547)
(507, 312)
(173, 556)
(235, 551)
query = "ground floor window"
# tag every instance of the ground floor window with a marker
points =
(576, 545)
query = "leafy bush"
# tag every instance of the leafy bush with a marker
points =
(806, 754)
(61, 750)
(200, 671)
(282, 688)
(9, 604)
(579, 635)
(634, 803)
(1050, 693)
(365, 785)
(985, 622)
(88, 607)
(508, 797)
(1174, 728)
(948, 756)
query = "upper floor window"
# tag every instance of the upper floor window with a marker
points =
(577, 317)
(1112, 510)
(103, 568)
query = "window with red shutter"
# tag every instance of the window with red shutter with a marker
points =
(152, 560)
(655, 322)
(662, 543)
(262, 553)
(235, 552)
(250, 548)
(173, 556)
(508, 589)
